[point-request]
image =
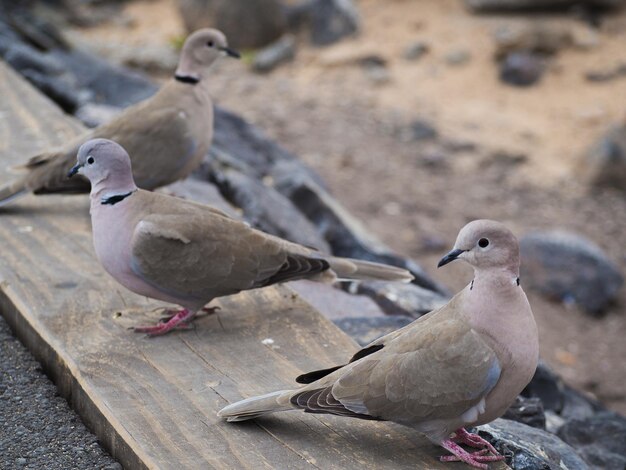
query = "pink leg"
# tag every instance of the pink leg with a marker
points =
(179, 321)
(473, 440)
(473, 459)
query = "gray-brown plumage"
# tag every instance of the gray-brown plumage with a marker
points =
(167, 134)
(186, 253)
(461, 365)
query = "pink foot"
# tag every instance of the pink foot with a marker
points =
(475, 459)
(473, 440)
(179, 321)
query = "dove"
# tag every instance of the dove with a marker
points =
(167, 134)
(460, 365)
(185, 253)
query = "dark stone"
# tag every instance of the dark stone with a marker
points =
(548, 387)
(21, 57)
(270, 57)
(109, 84)
(521, 68)
(268, 210)
(606, 75)
(332, 20)
(422, 130)
(416, 50)
(346, 236)
(528, 448)
(248, 24)
(559, 398)
(396, 298)
(94, 114)
(567, 267)
(364, 330)
(599, 439)
(512, 5)
(527, 411)
(202, 192)
(249, 150)
(605, 162)
(58, 90)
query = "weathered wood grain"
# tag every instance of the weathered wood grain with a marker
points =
(153, 402)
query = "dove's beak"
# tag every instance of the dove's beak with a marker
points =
(74, 170)
(454, 254)
(231, 52)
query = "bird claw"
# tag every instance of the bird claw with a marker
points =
(476, 459)
(179, 321)
(473, 440)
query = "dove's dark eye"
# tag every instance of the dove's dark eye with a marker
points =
(483, 243)
(210, 43)
(90, 160)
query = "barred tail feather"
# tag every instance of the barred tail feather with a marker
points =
(354, 269)
(251, 408)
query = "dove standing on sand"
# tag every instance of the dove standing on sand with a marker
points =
(185, 253)
(460, 365)
(167, 134)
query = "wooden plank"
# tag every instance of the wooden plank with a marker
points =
(153, 402)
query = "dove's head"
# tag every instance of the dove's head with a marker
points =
(201, 49)
(106, 164)
(485, 244)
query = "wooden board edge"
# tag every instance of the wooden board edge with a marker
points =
(73, 389)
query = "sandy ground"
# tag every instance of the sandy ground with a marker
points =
(352, 132)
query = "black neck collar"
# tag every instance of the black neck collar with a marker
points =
(112, 200)
(187, 79)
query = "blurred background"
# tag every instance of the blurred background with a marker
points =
(421, 115)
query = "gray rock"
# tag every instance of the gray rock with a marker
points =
(346, 236)
(522, 68)
(527, 411)
(528, 448)
(416, 50)
(570, 268)
(606, 74)
(504, 5)
(458, 57)
(599, 439)
(559, 398)
(57, 89)
(248, 24)
(94, 114)
(107, 84)
(266, 209)
(332, 20)
(604, 164)
(534, 36)
(281, 51)
(400, 299)
(420, 130)
(377, 74)
(202, 192)
(249, 150)
(367, 329)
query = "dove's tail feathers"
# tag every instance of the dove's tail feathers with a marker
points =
(251, 408)
(354, 269)
(12, 191)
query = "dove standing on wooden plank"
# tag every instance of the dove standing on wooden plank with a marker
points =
(460, 365)
(185, 253)
(167, 135)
